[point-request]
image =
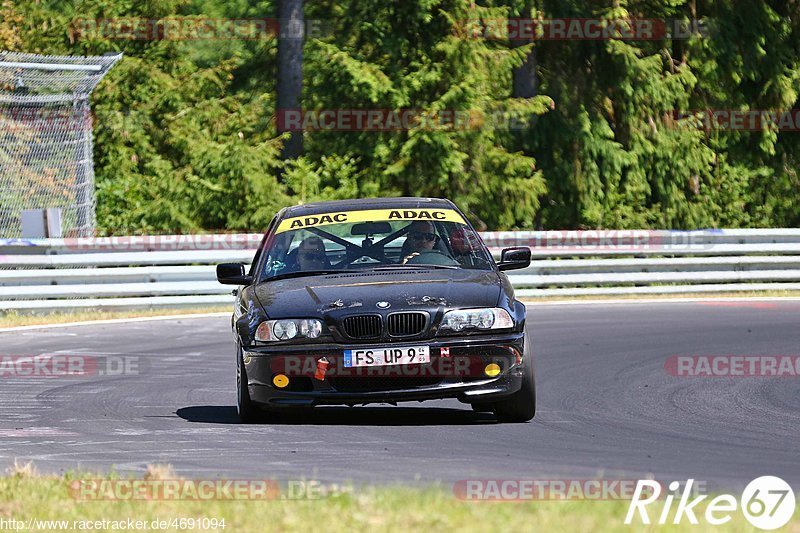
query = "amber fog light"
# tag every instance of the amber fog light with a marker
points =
(492, 370)
(280, 381)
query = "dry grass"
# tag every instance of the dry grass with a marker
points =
(160, 472)
(22, 470)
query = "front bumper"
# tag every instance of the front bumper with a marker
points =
(457, 370)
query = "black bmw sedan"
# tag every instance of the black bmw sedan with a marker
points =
(379, 301)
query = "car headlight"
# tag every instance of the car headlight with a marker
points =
(483, 319)
(286, 329)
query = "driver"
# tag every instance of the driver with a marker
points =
(421, 238)
(311, 254)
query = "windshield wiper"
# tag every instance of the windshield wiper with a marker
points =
(305, 273)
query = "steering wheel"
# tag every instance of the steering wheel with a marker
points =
(430, 257)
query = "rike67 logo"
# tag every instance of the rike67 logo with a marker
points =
(767, 503)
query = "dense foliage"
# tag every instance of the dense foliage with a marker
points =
(186, 137)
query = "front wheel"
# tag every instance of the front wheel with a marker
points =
(247, 411)
(520, 406)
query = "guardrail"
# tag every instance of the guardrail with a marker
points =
(178, 271)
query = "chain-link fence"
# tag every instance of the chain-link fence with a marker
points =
(46, 138)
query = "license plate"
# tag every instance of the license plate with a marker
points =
(387, 356)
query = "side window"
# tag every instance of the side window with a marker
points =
(257, 259)
(275, 261)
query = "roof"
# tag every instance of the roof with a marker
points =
(359, 204)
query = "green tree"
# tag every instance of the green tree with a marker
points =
(186, 137)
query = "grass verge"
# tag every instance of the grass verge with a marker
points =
(25, 495)
(12, 319)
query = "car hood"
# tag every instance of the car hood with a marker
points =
(319, 295)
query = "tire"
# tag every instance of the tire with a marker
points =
(520, 406)
(245, 408)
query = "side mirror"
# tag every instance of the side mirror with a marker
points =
(514, 258)
(233, 274)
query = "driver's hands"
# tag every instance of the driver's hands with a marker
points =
(407, 258)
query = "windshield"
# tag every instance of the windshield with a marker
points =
(373, 239)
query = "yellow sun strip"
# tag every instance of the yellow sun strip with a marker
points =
(370, 215)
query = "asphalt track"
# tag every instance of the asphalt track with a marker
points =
(607, 407)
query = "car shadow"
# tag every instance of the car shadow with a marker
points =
(344, 416)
